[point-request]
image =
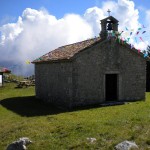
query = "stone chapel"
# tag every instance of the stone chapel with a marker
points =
(91, 72)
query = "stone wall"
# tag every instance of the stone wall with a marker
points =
(54, 83)
(108, 57)
(133, 72)
(82, 81)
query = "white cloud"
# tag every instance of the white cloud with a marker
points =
(37, 32)
(141, 45)
(125, 12)
(147, 18)
(93, 16)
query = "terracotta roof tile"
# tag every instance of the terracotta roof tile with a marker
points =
(66, 52)
(4, 70)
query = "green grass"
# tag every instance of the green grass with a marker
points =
(21, 115)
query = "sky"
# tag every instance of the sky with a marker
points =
(31, 28)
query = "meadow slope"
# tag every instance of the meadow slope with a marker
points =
(21, 115)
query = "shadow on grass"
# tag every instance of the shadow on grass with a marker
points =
(30, 106)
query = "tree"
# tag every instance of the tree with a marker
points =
(148, 50)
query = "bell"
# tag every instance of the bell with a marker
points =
(109, 26)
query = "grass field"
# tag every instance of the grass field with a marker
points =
(21, 115)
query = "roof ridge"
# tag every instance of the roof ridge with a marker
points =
(66, 51)
(79, 42)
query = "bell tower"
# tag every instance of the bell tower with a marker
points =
(109, 24)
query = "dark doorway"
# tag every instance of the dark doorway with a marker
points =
(111, 89)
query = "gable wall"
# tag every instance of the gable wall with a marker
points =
(91, 66)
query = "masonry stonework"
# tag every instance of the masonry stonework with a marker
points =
(54, 83)
(81, 80)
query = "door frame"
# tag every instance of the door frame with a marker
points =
(118, 84)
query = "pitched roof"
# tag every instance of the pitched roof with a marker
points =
(4, 70)
(110, 17)
(66, 52)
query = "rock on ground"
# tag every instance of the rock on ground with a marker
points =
(126, 145)
(19, 144)
(91, 140)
